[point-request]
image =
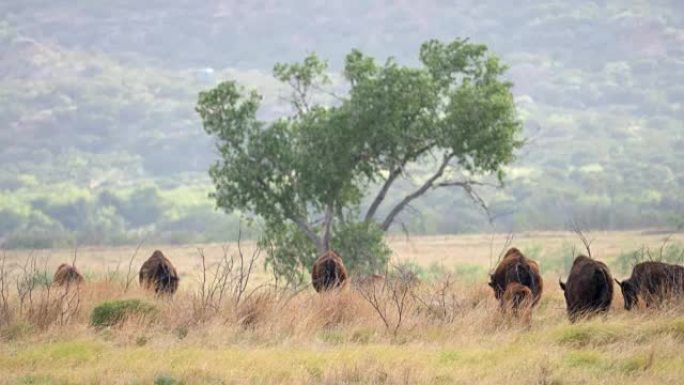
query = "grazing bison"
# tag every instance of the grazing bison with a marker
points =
(158, 273)
(514, 274)
(66, 275)
(589, 288)
(653, 282)
(328, 272)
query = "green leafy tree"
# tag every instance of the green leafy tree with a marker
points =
(306, 174)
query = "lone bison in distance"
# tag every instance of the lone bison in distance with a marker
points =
(589, 288)
(159, 274)
(653, 282)
(512, 276)
(328, 272)
(66, 275)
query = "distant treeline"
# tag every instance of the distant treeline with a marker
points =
(62, 215)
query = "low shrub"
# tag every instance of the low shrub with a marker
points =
(110, 313)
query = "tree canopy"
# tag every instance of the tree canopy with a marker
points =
(312, 168)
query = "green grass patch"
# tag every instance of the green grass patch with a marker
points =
(470, 272)
(635, 363)
(63, 354)
(585, 359)
(333, 337)
(111, 313)
(674, 327)
(166, 379)
(449, 358)
(582, 335)
(35, 380)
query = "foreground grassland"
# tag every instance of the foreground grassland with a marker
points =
(451, 331)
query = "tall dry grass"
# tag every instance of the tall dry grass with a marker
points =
(219, 330)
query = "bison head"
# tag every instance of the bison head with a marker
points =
(498, 290)
(629, 293)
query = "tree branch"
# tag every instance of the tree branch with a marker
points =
(467, 185)
(301, 223)
(327, 224)
(297, 219)
(382, 193)
(420, 191)
(299, 96)
(394, 174)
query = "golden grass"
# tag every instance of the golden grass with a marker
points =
(277, 337)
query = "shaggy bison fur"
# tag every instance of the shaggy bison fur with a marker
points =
(653, 282)
(589, 288)
(517, 301)
(159, 274)
(516, 280)
(328, 272)
(66, 275)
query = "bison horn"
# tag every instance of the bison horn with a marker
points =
(562, 285)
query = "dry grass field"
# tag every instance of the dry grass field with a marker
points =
(445, 329)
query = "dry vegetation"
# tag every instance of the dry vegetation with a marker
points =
(221, 328)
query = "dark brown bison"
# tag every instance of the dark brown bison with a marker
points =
(328, 272)
(589, 288)
(66, 275)
(159, 274)
(653, 282)
(515, 268)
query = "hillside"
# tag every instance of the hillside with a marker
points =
(99, 140)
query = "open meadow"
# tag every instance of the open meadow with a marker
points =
(443, 328)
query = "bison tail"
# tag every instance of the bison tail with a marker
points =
(525, 276)
(331, 274)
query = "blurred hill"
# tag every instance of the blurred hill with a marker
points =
(99, 140)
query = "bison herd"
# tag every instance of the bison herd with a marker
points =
(516, 281)
(588, 290)
(156, 274)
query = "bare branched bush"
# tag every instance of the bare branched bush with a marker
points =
(577, 229)
(5, 316)
(390, 298)
(34, 299)
(256, 308)
(225, 280)
(440, 301)
(68, 303)
(130, 276)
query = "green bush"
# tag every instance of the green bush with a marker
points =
(669, 253)
(362, 246)
(110, 313)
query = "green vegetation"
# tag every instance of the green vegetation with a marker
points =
(97, 103)
(306, 175)
(111, 313)
(669, 252)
